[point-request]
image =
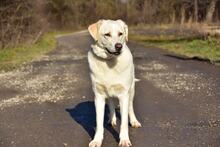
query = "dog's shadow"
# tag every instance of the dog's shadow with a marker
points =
(84, 114)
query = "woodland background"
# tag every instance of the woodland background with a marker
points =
(26, 20)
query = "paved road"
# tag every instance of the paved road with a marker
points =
(49, 103)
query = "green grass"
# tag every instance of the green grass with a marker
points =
(11, 58)
(207, 49)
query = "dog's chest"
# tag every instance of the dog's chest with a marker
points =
(111, 78)
(110, 90)
(113, 81)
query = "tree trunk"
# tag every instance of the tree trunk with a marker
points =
(173, 18)
(196, 11)
(183, 14)
(217, 16)
(210, 11)
(189, 23)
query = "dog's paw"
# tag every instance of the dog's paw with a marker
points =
(95, 143)
(135, 124)
(113, 122)
(125, 143)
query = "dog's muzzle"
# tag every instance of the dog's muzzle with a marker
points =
(113, 53)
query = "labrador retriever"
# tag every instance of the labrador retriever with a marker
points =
(112, 74)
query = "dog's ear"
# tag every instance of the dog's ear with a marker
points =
(125, 28)
(93, 29)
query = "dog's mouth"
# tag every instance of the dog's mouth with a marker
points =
(113, 53)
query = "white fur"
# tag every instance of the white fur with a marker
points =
(112, 76)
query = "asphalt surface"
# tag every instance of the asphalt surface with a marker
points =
(49, 102)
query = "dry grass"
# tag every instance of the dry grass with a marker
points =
(180, 41)
(12, 58)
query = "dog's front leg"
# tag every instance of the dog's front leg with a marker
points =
(124, 137)
(100, 109)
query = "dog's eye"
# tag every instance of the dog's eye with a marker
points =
(107, 34)
(120, 33)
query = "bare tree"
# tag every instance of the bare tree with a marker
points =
(196, 11)
(211, 10)
(173, 17)
(23, 19)
(183, 14)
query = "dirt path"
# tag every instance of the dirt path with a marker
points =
(50, 102)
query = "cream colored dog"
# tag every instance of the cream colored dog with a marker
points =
(112, 73)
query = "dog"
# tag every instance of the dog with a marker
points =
(112, 75)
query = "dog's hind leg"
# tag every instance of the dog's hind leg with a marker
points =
(133, 120)
(112, 115)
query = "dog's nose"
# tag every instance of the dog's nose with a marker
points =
(118, 47)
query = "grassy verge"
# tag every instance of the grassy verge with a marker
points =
(11, 58)
(207, 49)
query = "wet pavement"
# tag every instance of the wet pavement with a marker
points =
(49, 102)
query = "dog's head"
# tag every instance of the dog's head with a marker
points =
(110, 35)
